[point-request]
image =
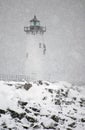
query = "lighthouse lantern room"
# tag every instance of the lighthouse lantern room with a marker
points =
(35, 27)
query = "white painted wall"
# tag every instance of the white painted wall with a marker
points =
(35, 56)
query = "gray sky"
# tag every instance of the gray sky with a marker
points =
(65, 36)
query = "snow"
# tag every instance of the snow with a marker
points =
(43, 106)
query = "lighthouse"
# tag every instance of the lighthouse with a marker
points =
(35, 50)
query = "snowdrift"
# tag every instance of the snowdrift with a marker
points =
(41, 105)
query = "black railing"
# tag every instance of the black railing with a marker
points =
(10, 77)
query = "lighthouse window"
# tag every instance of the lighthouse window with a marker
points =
(39, 45)
(44, 49)
(38, 23)
(44, 46)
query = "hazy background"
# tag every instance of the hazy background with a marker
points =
(65, 36)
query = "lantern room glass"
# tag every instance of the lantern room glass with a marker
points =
(34, 23)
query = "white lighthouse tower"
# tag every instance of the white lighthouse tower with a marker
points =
(36, 50)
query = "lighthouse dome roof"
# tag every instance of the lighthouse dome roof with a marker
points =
(34, 19)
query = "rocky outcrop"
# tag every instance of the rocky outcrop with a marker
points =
(27, 86)
(56, 108)
(2, 111)
(15, 114)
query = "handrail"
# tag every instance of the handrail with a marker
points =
(10, 77)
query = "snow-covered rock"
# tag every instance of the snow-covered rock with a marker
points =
(41, 105)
